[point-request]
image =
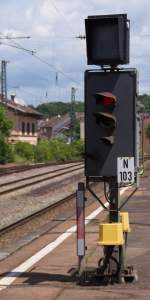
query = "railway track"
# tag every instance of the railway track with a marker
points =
(25, 230)
(34, 215)
(12, 186)
(21, 168)
(40, 213)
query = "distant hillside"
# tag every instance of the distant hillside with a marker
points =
(58, 108)
(52, 109)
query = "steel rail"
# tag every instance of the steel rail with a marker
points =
(38, 181)
(37, 175)
(35, 214)
(20, 168)
(38, 213)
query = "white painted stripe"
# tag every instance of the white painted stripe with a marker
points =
(123, 190)
(15, 273)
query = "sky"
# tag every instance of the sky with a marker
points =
(59, 60)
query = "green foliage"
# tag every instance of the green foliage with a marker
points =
(145, 101)
(57, 149)
(58, 108)
(42, 152)
(24, 150)
(5, 123)
(148, 131)
(45, 150)
(6, 151)
(76, 150)
(77, 130)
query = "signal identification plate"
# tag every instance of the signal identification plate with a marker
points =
(125, 170)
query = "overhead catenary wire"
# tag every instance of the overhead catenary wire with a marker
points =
(52, 66)
(81, 37)
(33, 53)
(56, 69)
(14, 37)
(39, 76)
(63, 15)
(18, 47)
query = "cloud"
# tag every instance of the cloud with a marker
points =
(53, 26)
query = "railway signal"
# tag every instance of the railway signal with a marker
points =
(110, 131)
(110, 120)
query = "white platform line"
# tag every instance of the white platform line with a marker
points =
(123, 190)
(15, 273)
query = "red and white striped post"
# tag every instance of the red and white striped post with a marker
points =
(80, 211)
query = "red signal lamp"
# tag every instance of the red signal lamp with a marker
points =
(107, 101)
(106, 98)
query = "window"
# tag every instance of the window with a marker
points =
(33, 128)
(28, 128)
(23, 127)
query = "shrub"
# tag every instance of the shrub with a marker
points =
(42, 152)
(79, 149)
(5, 123)
(24, 150)
(62, 151)
(54, 149)
(6, 152)
(57, 148)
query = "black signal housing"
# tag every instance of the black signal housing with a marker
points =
(110, 120)
(107, 39)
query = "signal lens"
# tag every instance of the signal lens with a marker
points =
(106, 98)
(106, 119)
(108, 140)
(107, 101)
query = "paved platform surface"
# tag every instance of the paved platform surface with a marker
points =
(50, 278)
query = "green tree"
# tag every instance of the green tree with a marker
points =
(42, 152)
(52, 109)
(57, 149)
(6, 151)
(145, 101)
(77, 130)
(5, 123)
(24, 150)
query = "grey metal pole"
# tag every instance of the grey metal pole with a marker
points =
(114, 200)
(80, 211)
(114, 217)
(118, 251)
(72, 114)
(3, 81)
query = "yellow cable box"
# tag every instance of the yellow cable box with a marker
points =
(111, 234)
